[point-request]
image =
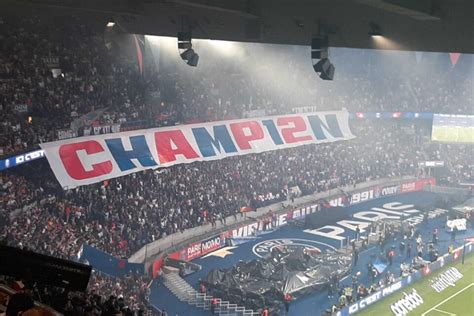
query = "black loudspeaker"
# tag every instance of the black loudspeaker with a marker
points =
(325, 69)
(36, 268)
(187, 54)
(193, 61)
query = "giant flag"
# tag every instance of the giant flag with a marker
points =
(91, 159)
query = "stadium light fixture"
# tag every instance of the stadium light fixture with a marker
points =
(375, 30)
(325, 69)
(186, 52)
(193, 61)
(110, 24)
(320, 51)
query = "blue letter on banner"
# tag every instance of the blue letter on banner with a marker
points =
(139, 151)
(332, 127)
(272, 130)
(207, 144)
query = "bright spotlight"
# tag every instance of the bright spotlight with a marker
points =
(110, 24)
(375, 30)
(382, 42)
(223, 46)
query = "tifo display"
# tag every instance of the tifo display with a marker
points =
(89, 160)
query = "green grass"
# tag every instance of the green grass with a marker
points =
(453, 134)
(463, 298)
(457, 300)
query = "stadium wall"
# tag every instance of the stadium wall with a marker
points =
(199, 241)
(108, 264)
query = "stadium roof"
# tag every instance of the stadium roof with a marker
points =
(422, 25)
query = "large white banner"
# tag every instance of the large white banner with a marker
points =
(91, 159)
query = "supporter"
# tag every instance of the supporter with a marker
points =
(390, 256)
(355, 255)
(404, 269)
(419, 249)
(453, 233)
(214, 304)
(342, 301)
(409, 248)
(435, 236)
(450, 249)
(202, 287)
(389, 278)
(372, 272)
(361, 292)
(287, 298)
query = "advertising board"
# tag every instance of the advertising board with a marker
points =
(20, 159)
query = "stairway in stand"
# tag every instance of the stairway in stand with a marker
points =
(185, 293)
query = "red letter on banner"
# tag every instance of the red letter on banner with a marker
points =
(73, 165)
(166, 152)
(299, 126)
(241, 138)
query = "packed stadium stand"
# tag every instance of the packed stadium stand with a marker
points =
(59, 80)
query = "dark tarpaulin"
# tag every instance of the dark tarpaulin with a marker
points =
(263, 282)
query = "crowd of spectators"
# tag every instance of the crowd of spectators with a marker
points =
(53, 73)
(460, 169)
(131, 291)
(121, 215)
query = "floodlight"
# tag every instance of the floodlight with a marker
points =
(375, 30)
